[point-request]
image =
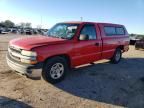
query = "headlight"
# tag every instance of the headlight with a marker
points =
(28, 61)
(28, 53)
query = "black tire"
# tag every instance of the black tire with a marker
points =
(136, 46)
(46, 73)
(114, 59)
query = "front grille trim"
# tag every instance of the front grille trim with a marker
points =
(14, 57)
(14, 49)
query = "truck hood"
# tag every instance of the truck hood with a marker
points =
(27, 43)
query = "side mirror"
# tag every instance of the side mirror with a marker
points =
(83, 37)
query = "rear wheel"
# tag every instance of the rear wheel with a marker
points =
(55, 70)
(117, 56)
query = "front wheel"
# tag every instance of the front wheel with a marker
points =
(55, 70)
(117, 56)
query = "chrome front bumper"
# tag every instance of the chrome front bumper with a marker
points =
(31, 71)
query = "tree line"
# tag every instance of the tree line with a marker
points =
(10, 24)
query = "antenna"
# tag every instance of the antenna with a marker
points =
(41, 21)
(81, 18)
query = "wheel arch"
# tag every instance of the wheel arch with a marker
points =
(120, 47)
(65, 56)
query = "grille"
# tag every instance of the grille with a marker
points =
(14, 50)
(14, 57)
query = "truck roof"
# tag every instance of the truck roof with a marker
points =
(81, 22)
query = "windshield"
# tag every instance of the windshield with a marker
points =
(65, 31)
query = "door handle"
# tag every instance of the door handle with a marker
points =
(97, 44)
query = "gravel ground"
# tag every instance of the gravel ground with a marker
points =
(102, 85)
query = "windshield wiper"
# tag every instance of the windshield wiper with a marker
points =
(63, 37)
(52, 36)
(57, 37)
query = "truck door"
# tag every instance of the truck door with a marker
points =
(87, 51)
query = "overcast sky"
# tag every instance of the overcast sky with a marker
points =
(48, 12)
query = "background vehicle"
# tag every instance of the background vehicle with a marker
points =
(14, 31)
(3, 31)
(44, 32)
(134, 38)
(139, 44)
(28, 31)
(67, 45)
(0, 30)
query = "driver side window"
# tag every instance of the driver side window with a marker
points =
(90, 31)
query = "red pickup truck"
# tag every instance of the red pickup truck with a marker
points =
(67, 45)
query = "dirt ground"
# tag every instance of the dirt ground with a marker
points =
(102, 85)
